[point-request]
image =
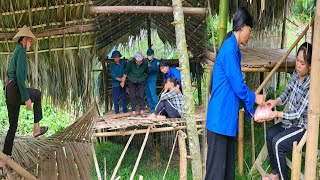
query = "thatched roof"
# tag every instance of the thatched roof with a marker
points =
(268, 14)
(116, 28)
(67, 37)
(65, 33)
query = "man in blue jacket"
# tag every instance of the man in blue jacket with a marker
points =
(151, 83)
(117, 70)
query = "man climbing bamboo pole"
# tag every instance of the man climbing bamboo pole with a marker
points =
(186, 83)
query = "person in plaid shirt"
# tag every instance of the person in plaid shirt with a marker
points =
(280, 137)
(171, 101)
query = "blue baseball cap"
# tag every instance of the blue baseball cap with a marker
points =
(150, 52)
(116, 53)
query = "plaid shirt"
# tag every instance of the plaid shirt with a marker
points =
(297, 95)
(175, 98)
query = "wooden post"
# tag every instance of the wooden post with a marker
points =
(199, 83)
(193, 137)
(223, 20)
(283, 37)
(296, 162)
(105, 87)
(158, 144)
(240, 142)
(36, 65)
(16, 167)
(183, 155)
(314, 103)
(149, 26)
(144, 10)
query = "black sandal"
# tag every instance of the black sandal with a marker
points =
(43, 130)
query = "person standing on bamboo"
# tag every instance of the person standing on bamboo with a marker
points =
(117, 70)
(16, 92)
(136, 72)
(151, 83)
(228, 89)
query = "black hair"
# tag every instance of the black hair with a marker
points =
(164, 63)
(306, 48)
(20, 39)
(240, 19)
(174, 80)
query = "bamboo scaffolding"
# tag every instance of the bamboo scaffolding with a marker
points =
(140, 154)
(144, 10)
(172, 150)
(122, 156)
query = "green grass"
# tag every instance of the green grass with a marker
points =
(148, 167)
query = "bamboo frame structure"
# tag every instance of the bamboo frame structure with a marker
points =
(297, 157)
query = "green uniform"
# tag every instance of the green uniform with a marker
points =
(136, 73)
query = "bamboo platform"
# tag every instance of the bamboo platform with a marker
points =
(123, 124)
(267, 58)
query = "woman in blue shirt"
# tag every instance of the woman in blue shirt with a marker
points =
(228, 89)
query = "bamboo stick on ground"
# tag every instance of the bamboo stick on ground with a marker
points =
(16, 167)
(122, 155)
(140, 154)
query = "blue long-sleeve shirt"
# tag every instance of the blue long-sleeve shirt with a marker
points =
(153, 70)
(228, 88)
(117, 71)
(173, 72)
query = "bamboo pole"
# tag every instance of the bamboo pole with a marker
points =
(183, 155)
(105, 168)
(223, 20)
(144, 10)
(36, 64)
(105, 87)
(96, 162)
(173, 147)
(240, 142)
(296, 162)
(140, 154)
(314, 103)
(16, 167)
(193, 137)
(142, 131)
(122, 155)
(283, 34)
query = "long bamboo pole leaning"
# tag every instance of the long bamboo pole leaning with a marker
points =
(140, 154)
(314, 103)
(240, 142)
(96, 162)
(275, 68)
(16, 167)
(189, 108)
(144, 10)
(122, 155)
(173, 147)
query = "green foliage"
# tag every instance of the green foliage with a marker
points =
(54, 118)
(304, 9)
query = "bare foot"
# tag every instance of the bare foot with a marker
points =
(160, 117)
(152, 116)
(133, 114)
(141, 113)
